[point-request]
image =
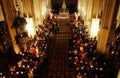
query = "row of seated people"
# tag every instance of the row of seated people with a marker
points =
(53, 26)
(82, 54)
(33, 58)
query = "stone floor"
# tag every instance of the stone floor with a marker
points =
(58, 64)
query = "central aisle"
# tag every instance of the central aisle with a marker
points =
(58, 61)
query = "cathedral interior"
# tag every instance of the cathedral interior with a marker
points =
(59, 38)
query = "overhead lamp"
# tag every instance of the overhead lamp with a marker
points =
(19, 22)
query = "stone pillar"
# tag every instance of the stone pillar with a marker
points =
(28, 7)
(88, 15)
(96, 8)
(37, 12)
(79, 6)
(107, 19)
(9, 14)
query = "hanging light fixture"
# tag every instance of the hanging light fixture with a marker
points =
(19, 20)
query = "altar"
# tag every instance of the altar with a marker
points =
(63, 16)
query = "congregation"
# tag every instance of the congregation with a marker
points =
(32, 60)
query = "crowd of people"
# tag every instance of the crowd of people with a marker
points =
(82, 55)
(32, 60)
(114, 50)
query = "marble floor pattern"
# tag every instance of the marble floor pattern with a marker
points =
(58, 61)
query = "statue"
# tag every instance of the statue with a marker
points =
(64, 6)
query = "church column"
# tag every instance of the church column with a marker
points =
(88, 14)
(9, 14)
(95, 18)
(28, 7)
(107, 19)
(40, 10)
(37, 12)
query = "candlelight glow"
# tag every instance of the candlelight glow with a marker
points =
(76, 16)
(118, 76)
(94, 27)
(30, 27)
(51, 15)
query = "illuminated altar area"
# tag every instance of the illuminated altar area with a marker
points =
(64, 14)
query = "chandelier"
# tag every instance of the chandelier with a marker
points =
(19, 20)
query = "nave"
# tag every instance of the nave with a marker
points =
(64, 62)
(64, 56)
(87, 46)
(58, 58)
